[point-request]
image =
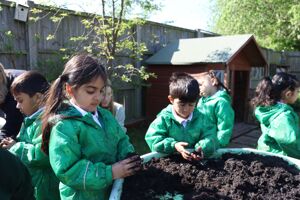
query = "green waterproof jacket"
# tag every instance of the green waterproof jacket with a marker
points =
(28, 149)
(165, 131)
(280, 131)
(82, 153)
(15, 181)
(217, 108)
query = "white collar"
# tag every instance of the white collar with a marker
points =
(39, 110)
(180, 119)
(83, 112)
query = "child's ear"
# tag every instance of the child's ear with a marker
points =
(38, 98)
(69, 90)
(214, 81)
(288, 94)
(171, 99)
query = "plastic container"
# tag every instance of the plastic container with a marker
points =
(118, 184)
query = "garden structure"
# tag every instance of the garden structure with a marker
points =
(231, 56)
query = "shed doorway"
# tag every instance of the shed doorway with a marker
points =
(240, 84)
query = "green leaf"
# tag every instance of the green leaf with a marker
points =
(35, 11)
(50, 37)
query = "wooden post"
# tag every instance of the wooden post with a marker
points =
(32, 43)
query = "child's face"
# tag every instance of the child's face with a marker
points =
(207, 86)
(107, 97)
(87, 96)
(182, 109)
(26, 104)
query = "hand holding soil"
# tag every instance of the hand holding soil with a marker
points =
(198, 154)
(127, 167)
(191, 156)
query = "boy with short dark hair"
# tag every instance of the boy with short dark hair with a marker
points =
(180, 126)
(28, 90)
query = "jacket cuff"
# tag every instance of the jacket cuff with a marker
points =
(173, 145)
(109, 178)
(17, 149)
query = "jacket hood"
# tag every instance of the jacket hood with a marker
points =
(265, 114)
(220, 94)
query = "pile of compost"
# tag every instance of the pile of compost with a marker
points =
(245, 176)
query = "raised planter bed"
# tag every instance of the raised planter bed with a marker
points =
(230, 174)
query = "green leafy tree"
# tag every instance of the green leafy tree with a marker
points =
(275, 23)
(108, 34)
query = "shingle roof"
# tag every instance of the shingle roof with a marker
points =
(218, 49)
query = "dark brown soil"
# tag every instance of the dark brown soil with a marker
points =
(247, 176)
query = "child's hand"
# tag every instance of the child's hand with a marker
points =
(8, 142)
(179, 146)
(126, 167)
(198, 154)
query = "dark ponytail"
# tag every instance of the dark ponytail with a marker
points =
(268, 91)
(263, 93)
(55, 97)
(79, 70)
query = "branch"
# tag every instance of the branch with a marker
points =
(104, 22)
(117, 27)
(103, 8)
(113, 13)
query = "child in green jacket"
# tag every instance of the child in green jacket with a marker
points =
(215, 104)
(28, 90)
(180, 126)
(15, 181)
(279, 123)
(87, 147)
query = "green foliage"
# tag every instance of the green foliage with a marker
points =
(8, 45)
(7, 39)
(109, 36)
(50, 37)
(275, 23)
(51, 68)
(128, 73)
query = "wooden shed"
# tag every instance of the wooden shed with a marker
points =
(231, 56)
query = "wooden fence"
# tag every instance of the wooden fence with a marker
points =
(24, 45)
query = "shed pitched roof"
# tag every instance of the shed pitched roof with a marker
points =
(219, 49)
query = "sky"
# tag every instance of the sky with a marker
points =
(190, 14)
